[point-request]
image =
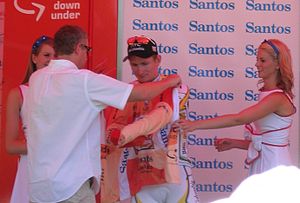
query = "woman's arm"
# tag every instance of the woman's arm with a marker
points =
(225, 144)
(271, 103)
(14, 144)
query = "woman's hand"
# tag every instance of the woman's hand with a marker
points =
(183, 125)
(224, 144)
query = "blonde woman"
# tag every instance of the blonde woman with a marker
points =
(267, 123)
(41, 53)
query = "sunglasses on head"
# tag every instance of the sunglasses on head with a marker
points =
(38, 43)
(273, 47)
(139, 40)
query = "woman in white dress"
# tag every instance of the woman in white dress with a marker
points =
(267, 123)
(41, 53)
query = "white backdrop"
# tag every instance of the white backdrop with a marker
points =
(212, 45)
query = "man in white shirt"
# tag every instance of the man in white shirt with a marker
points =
(65, 104)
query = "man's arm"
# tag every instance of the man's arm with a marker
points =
(151, 122)
(149, 90)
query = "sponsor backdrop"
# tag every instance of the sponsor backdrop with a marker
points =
(25, 21)
(212, 45)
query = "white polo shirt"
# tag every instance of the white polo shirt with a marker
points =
(64, 126)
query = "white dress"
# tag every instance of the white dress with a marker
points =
(270, 141)
(20, 189)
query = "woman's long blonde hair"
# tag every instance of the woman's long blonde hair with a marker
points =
(285, 80)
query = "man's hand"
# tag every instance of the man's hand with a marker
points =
(173, 80)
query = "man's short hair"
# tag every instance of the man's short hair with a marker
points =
(66, 39)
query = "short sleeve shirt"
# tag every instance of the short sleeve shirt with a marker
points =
(64, 125)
